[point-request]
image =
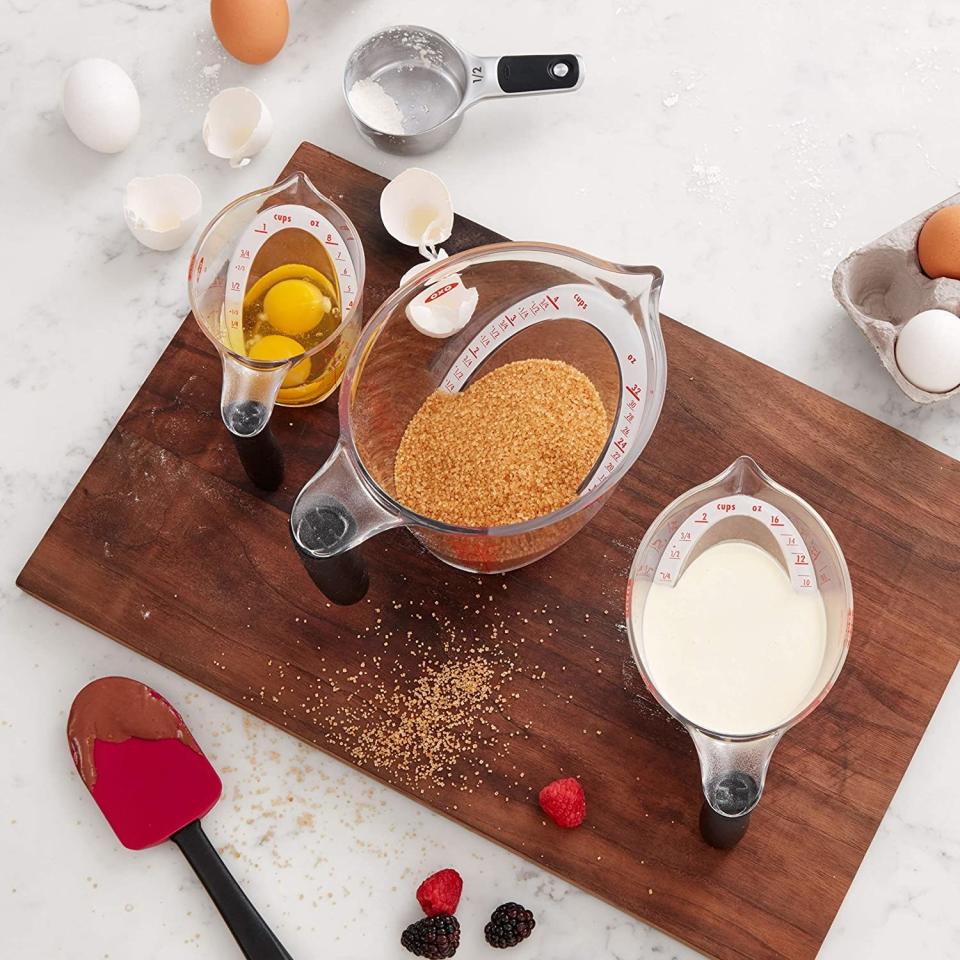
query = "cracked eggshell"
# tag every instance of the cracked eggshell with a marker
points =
(443, 308)
(882, 287)
(416, 208)
(237, 125)
(162, 212)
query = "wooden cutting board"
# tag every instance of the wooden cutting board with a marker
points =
(165, 547)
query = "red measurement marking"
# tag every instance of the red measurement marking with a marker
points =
(664, 575)
(702, 519)
(800, 560)
(555, 302)
(262, 229)
(685, 537)
(805, 582)
(775, 521)
(621, 445)
(581, 303)
(635, 391)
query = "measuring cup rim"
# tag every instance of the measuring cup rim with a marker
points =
(345, 317)
(464, 102)
(847, 587)
(451, 264)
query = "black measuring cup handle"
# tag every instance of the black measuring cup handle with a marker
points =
(262, 458)
(539, 73)
(318, 531)
(735, 795)
(721, 831)
(248, 423)
(342, 579)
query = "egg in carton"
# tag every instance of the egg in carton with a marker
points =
(882, 286)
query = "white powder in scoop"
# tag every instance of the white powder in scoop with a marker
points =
(375, 107)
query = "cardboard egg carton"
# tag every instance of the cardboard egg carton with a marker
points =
(882, 286)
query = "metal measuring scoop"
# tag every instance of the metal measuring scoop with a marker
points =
(433, 83)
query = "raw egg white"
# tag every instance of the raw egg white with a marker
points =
(253, 31)
(928, 350)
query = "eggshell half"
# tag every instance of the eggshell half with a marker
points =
(416, 208)
(100, 105)
(253, 31)
(237, 125)
(162, 212)
(443, 308)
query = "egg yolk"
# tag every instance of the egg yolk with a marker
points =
(295, 306)
(275, 347)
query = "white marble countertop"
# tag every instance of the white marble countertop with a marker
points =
(743, 147)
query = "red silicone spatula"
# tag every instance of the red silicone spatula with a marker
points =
(153, 783)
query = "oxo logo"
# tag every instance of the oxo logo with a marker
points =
(446, 288)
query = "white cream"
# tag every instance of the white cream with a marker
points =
(732, 646)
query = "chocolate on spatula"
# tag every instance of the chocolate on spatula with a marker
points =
(152, 782)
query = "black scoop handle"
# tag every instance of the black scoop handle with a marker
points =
(538, 73)
(255, 939)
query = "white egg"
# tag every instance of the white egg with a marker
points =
(100, 104)
(928, 350)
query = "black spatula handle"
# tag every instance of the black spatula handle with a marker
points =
(256, 939)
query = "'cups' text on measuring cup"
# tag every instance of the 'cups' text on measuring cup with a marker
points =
(532, 301)
(739, 613)
(432, 83)
(276, 284)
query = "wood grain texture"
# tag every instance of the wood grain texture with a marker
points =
(165, 547)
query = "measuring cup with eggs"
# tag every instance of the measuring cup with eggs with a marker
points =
(739, 614)
(276, 284)
(510, 428)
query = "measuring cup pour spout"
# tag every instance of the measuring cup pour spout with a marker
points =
(246, 402)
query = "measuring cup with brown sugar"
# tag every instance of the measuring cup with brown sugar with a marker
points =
(525, 302)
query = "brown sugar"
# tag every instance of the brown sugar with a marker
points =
(516, 444)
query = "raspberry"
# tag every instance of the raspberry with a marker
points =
(440, 892)
(433, 937)
(509, 924)
(563, 802)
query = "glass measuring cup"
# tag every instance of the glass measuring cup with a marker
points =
(741, 504)
(533, 300)
(433, 82)
(290, 351)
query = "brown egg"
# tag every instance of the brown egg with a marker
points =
(938, 246)
(253, 31)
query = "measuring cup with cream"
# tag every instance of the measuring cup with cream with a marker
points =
(739, 612)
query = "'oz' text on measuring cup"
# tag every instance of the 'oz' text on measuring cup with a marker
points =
(739, 613)
(533, 301)
(276, 284)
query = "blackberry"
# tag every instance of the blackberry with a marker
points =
(509, 924)
(433, 937)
